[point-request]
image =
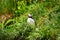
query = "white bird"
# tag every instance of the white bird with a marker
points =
(30, 21)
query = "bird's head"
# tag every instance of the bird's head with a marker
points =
(29, 15)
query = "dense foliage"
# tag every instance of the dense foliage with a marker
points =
(46, 14)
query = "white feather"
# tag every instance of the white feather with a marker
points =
(30, 21)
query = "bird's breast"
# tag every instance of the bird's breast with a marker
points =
(30, 21)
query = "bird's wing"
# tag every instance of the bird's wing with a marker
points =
(32, 21)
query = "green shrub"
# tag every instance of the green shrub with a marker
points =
(45, 13)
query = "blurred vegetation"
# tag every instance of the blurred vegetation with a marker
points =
(46, 14)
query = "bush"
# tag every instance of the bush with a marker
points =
(45, 13)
